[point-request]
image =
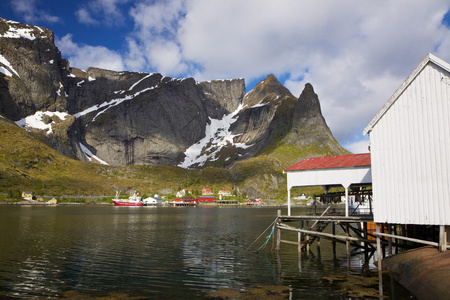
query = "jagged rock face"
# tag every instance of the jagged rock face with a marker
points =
(36, 73)
(153, 128)
(130, 118)
(309, 126)
(222, 97)
(267, 115)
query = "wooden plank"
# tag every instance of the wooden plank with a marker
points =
(289, 242)
(323, 234)
(343, 219)
(408, 239)
(324, 212)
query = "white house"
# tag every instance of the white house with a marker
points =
(410, 149)
(331, 171)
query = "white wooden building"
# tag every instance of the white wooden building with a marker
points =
(410, 149)
(331, 171)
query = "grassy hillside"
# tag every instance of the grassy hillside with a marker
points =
(27, 164)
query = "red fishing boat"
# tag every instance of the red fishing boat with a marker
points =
(133, 200)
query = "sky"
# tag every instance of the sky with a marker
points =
(355, 53)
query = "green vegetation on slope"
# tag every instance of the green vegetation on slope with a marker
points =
(27, 164)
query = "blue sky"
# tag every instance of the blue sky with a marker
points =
(355, 53)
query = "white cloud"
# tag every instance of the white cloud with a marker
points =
(84, 16)
(31, 13)
(154, 44)
(107, 12)
(85, 56)
(354, 53)
(361, 146)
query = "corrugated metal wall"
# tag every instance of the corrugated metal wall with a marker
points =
(410, 148)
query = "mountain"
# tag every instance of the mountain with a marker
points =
(132, 118)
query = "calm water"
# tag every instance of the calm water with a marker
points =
(160, 253)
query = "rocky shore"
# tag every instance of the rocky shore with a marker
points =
(424, 271)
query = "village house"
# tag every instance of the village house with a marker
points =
(27, 195)
(184, 201)
(254, 202)
(183, 193)
(209, 199)
(224, 193)
(206, 191)
(52, 201)
(347, 171)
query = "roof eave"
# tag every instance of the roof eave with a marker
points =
(429, 58)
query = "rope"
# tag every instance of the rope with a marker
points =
(261, 236)
(268, 238)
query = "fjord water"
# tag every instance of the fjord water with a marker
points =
(156, 253)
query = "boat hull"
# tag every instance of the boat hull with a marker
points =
(126, 203)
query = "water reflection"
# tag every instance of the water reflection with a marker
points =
(156, 253)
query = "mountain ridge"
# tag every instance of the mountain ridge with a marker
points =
(134, 118)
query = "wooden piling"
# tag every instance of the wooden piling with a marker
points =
(380, 269)
(278, 231)
(442, 238)
(366, 245)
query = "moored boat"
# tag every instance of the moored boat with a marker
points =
(133, 200)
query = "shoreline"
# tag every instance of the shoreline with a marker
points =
(36, 203)
(424, 271)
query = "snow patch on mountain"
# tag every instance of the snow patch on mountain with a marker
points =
(139, 81)
(217, 135)
(14, 33)
(89, 155)
(36, 121)
(7, 71)
(108, 104)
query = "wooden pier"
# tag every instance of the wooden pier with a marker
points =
(310, 228)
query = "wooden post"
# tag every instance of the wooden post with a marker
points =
(299, 242)
(442, 238)
(346, 201)
(382, 245)
(333, 231)
(278, 232)
(380, 269)
(307, 239)
(289, 202)
(395, 240)
(389, 240)
(366, 245)
(347, 242)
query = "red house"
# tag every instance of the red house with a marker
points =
(206, 199)
(254, 201)
(184, 201)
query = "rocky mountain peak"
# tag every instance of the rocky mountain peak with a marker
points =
(308, 104)
(309, 128)
(12, 29)
(131, 118)
(266, 91)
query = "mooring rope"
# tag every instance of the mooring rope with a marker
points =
(268, 238)
(273, 223)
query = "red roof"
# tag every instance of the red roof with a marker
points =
(340, 161)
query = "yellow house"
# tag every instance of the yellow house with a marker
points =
(27, 195)
(52, 201)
